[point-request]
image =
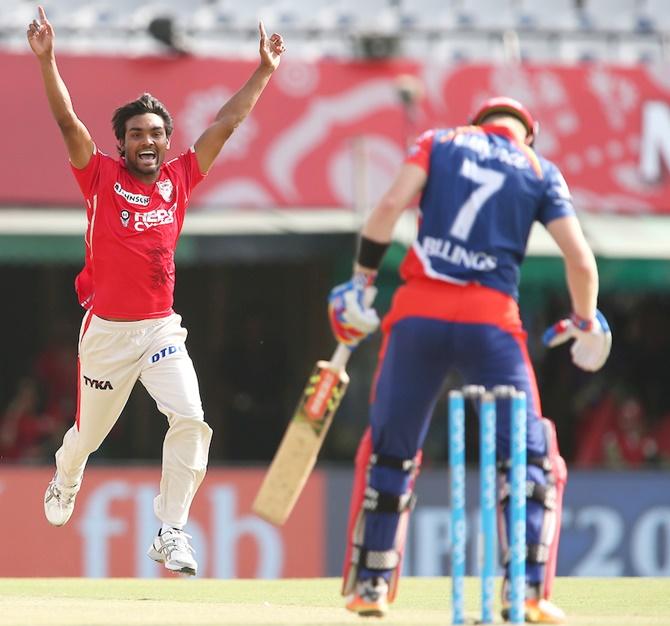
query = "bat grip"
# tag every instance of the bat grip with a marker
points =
(340, 357)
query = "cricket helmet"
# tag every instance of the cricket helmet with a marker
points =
(509, 106)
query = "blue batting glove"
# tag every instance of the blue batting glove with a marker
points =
(351, 317)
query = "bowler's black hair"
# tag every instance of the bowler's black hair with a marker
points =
(146, 103)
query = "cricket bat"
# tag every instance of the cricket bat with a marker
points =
(297, 453)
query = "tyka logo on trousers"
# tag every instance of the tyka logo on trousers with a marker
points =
(97, 384)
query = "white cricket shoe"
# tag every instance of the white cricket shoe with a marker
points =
(172, 548)
(59, 502)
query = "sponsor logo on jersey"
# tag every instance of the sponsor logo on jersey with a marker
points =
(165, 189)
(97, 384)
(166, 352)
(458, 255)
(132, 198)
(157, 217)
(125, 217)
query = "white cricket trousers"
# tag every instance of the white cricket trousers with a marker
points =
(112, 357)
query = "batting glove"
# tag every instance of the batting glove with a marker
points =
(351, 317)
(593, 340)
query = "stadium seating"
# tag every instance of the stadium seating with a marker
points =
(497, 14)
(560, 15)
(657, 14)
(585, 48)
(626, 31)
(623, 15)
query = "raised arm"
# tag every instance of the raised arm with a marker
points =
(77, 138)
(233, 112)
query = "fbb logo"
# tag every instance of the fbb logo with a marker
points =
(114, 523)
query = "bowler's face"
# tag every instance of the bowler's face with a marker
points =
(145, 144)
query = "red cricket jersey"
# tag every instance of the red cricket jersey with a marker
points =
(131, 235)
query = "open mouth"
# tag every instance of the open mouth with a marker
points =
(147, 157)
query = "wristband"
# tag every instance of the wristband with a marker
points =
(364, 279)
(581, 323)
(371, 253)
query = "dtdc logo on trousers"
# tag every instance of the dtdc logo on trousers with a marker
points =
(165, 352)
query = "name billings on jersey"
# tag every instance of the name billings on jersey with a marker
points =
(458, 255)
(481, 145)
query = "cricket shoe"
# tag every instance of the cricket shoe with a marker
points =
(172, 548)
(59, 502)
(539, 612)
(370, 598)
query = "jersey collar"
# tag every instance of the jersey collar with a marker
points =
(499, 130)
(527, 150)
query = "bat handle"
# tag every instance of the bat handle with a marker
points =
(340, 357)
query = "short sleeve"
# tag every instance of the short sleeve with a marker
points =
(88, 177)
(556, 201)
(419, 152)
(187, 165)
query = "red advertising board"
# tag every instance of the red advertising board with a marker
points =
(113, 525)
(607, 127)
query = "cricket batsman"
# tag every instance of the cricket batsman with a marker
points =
(481, 189)
(135, 207)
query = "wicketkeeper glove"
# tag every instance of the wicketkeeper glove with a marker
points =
(593, 340)
(351, 317)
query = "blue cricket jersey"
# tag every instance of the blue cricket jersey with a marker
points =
(483, 193)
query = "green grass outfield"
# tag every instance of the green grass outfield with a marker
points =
(313, 602)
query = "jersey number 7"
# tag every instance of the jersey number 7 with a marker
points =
(490, 181)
